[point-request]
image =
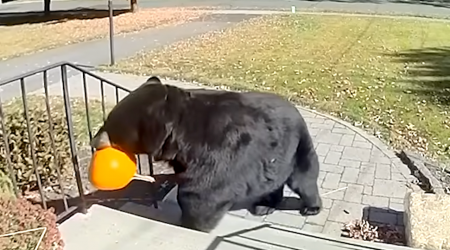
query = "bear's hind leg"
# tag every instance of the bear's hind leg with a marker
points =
(303, 182)
(200, 213)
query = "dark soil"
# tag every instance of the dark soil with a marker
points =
(440, 173)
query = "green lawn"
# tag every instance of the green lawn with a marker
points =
(391, 76)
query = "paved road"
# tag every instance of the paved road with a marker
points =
(413, 7)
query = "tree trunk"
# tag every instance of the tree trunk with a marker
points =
(133, 5)
(47, 7)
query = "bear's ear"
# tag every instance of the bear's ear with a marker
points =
(153, 80)
(100, 140)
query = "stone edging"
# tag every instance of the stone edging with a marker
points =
(417, 164)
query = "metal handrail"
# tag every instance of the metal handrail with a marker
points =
(63, 66)
(56, 65)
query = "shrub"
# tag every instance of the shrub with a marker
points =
(18, 215)
(19, 143)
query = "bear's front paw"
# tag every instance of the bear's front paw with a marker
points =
(309, 211)
(261, 210)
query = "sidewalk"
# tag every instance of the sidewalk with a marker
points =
(95, 53)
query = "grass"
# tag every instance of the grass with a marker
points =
(389, 76)
(25, 39)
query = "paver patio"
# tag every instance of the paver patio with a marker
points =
(363, 177)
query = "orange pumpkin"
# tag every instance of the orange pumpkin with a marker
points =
(111, 169)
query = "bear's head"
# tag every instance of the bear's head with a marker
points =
(143, 121)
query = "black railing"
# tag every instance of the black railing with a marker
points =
(62, 69)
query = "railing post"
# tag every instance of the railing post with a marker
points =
(31, 141)
(150, 166)
(73, 148)
(7, 152)
(57, 163)
(102, 92)
(86, 106)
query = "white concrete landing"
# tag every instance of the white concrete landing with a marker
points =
(107, 229)
(139, 226)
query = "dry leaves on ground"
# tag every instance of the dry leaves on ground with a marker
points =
(28, 38)
(363, 230)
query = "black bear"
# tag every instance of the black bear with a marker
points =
(226, 148)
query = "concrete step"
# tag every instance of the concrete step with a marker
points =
(103, 228)
(140, 226)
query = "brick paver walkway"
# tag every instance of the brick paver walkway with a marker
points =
(367, 181)
(365, 178)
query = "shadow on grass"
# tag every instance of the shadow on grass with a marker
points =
(428, 72)
(33, 17)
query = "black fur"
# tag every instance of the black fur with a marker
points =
(226, 147)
